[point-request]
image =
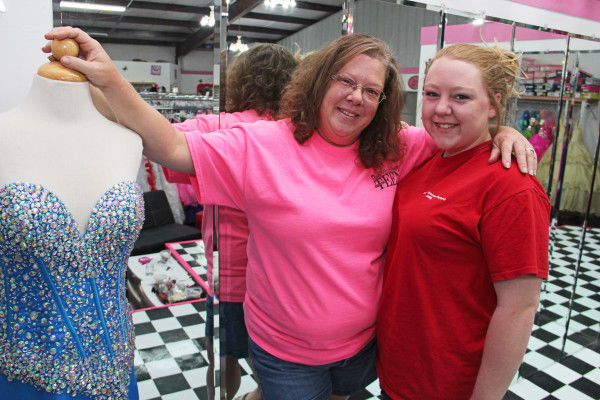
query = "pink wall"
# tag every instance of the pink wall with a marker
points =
(489, 32)
(588, 9)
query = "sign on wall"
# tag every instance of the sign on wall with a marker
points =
(155, 70)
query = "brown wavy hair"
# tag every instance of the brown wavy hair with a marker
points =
(499, 70)
(256, 78)
(379, 141)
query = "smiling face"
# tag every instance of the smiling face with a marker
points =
(456, 107)
(344, 114)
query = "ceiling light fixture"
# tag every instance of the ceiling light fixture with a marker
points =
(91, 7)
(2, 7)
(238, 46)
(208, 20)
(282, 3)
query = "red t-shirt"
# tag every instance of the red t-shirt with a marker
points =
(459, 225)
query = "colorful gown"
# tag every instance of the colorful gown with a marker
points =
(65, 329)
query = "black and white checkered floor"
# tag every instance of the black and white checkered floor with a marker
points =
(171, 358)
(191, 253)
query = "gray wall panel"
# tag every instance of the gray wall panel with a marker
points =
(315, 36)
(398, 25)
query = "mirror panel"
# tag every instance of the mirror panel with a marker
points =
(539, 111)
(236, 378)
(543, 55)
(582, 322)
(215, 380)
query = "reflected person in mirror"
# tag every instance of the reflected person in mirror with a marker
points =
(317, 187)
(469, 244)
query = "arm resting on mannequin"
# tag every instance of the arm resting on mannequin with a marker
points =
(101, 104)
(507, 335)
(161, 142)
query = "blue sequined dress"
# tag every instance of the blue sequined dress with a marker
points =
(65, 329)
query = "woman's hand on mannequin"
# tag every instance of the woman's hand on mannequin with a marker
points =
(161, 142)
(93, 61)
(509, 140)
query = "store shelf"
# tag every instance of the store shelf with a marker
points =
(548, 99)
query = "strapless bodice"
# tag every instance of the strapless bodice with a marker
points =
(64, 321)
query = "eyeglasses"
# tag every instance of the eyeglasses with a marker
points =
(368, 93)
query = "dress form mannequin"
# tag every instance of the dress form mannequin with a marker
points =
(57, 138)
(70, 212)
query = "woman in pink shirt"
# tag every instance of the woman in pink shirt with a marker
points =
(317, 187)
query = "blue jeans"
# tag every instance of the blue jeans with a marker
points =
(236, 334)
(231, 319)
(284, 380)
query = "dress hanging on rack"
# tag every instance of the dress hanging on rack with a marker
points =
(589, 123)
(578, 173)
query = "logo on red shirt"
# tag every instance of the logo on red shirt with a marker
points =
(432, 196)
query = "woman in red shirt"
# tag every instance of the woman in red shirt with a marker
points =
(469, 244)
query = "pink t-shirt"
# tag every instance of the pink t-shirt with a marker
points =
(319, 223)
(233, 225)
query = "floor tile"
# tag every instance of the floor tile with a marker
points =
(170, 358)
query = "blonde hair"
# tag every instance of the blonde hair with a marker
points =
(499, 70)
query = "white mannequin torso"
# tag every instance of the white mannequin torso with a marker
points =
(56, 138)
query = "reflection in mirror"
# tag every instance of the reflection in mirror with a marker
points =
(215, 381)
(254, 73)
(560, 171)
(582, 322)
(245, 72)
(537, 112)
(348, 18)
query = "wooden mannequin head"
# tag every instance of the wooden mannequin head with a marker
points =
(55, 70)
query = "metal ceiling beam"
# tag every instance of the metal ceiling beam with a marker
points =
(150, 5)
(146, 5)
(194, 40)
(136, 41)
(259, 29)
(305, 5)
(236, 11)
(201, 36)
(242, 7)
(233, 38)
(135, 33)
(66, 16)
(280, 18)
